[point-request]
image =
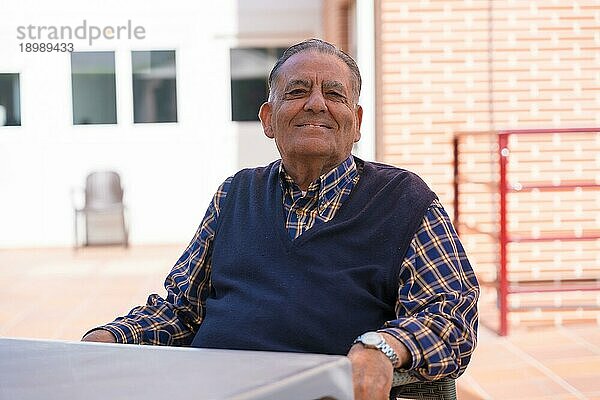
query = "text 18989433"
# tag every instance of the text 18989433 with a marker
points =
(59, 47)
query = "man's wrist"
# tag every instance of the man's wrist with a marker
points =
(402, 350)
(377, 341)
(403, 353)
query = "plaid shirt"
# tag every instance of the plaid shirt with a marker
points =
(322, 198)
(436, 307)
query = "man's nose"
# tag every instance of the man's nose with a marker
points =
(315, 102)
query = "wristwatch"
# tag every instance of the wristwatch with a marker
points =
(374, 340)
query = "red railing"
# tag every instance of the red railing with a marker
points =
(503, 237)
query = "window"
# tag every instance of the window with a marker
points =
(250, 69)
(154, 86)
(10, 100)
(93, 85)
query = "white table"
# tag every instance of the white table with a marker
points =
(40, 369)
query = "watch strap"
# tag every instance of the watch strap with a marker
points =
(389, 352)
(382, 346)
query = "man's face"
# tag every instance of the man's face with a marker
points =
(312, 113)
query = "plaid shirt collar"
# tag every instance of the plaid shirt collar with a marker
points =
(326, 187)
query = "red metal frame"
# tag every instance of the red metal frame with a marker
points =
(503, 153)
(503, 286)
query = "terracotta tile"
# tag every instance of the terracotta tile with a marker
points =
(487, 363)
(523, 388)
(589, 365)
(558, 397)
(536, 337)
(505, 375)
(585, 383)
(552, 352)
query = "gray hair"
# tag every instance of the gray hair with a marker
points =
(322, 47)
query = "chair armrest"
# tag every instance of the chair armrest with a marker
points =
(402, 378)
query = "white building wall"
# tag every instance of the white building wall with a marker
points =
(365, 58)
(169, 170)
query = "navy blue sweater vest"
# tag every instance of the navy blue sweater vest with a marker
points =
(316, 293)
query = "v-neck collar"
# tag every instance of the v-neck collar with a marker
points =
(326, 186)
(344, 174)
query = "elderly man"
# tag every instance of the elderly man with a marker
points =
(320, 251)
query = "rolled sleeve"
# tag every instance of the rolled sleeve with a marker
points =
(437, 300)
(124, 332)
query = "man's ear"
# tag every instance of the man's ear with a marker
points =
(359, 115)
(265, 113)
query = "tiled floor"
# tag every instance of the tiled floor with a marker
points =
(545, 363)
(60, 294)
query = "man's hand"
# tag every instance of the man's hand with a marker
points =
(372, 371)
(99, 335)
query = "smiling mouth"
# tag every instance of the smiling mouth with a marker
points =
(314, 126)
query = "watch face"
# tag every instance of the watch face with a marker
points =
(371, 338)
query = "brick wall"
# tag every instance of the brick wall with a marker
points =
(335, 22)
(479, 66)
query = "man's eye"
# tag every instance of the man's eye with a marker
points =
(336, 95)
(296, 92)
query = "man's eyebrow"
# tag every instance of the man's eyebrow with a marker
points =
(297, 82)
(334, 85)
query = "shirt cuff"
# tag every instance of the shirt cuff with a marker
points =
(407, 339)
(129, 333)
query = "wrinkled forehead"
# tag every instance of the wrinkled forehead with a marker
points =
(314, 67)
